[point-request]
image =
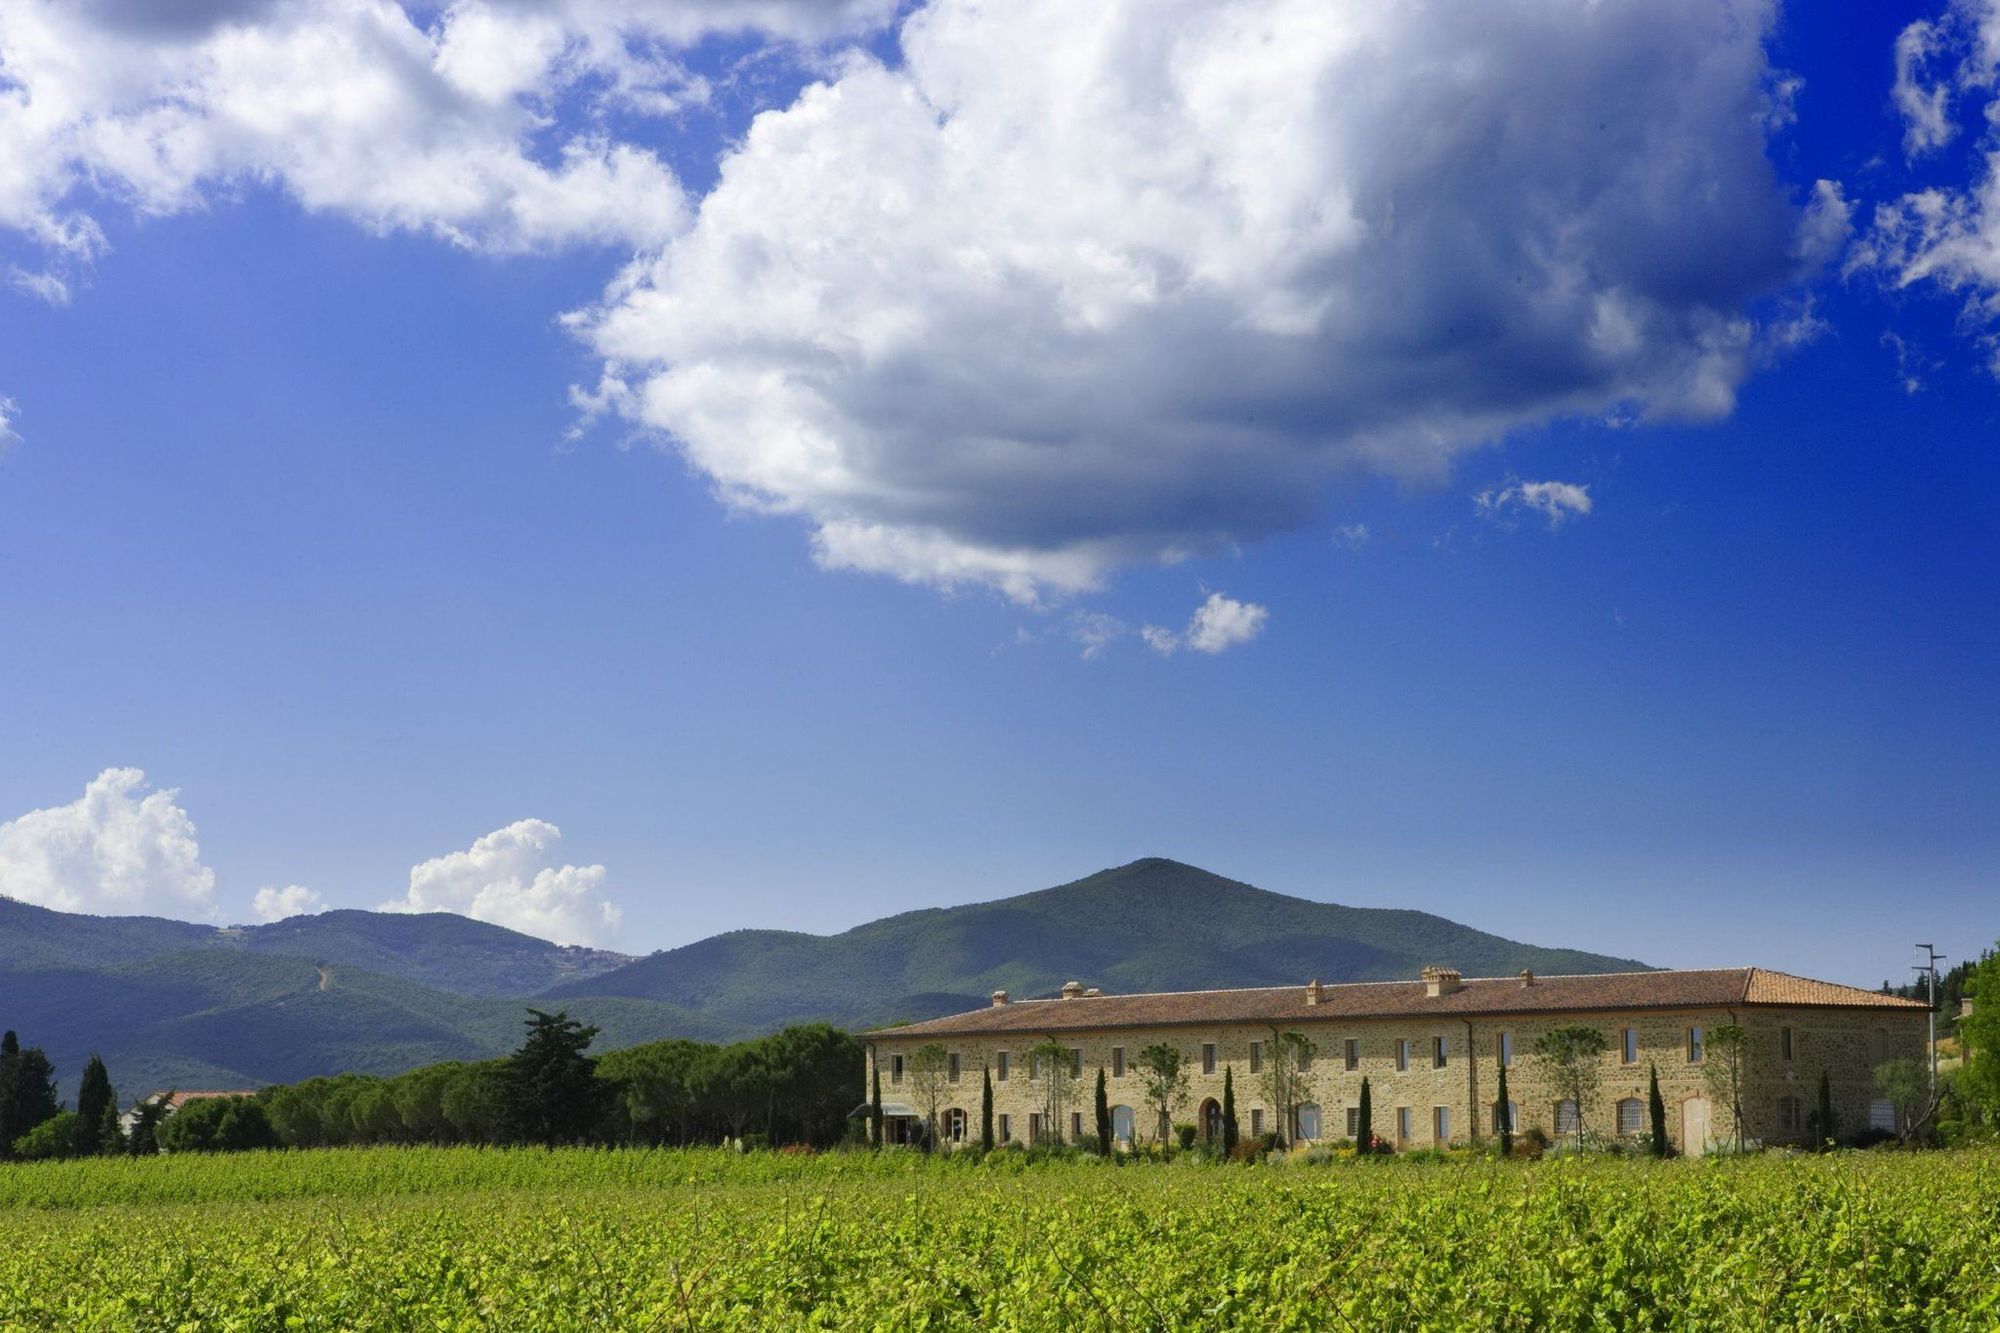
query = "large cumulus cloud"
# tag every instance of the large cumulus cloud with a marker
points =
(511, 877)
(1076, 286)
(118, 848)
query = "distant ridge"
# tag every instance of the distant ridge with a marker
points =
(170, 1004)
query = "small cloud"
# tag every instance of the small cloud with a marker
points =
(273, 904)
(1095, 631)
(510, 878)
(1218, 624)
(42, 286)
(9, 410)
(1557, 501)
(1353, 536)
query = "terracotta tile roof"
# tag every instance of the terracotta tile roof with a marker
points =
(1711, 988)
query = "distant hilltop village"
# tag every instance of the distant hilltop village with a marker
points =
(1432, 1049)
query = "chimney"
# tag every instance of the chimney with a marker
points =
(999, 998)
(1314, 991)
(1072, 990)
(1093, 991)
(1441, 981)
(1527, 977)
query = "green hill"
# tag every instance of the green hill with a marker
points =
(1150, 925)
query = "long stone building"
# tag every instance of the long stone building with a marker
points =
(1431, 1050)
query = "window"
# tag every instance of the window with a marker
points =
(1437, 1052)
(1034, 1066)
(895, 1069)
(1441, 1124)
(1353, 1122)
(1208, 1057)
(1631, 1117)
(1791, 1113)
(954, 1125)
(1075, 1126)
(1256, 1056)
(1000, 1066)
(1565, 1116)
(1308, 1118)
(1402, 1053)
(1351, 1053)
(1006, 1128)
(1121, 1124)
(1034, 1126)
(1402, 1124)
(1785, 1042)
(1505, 1050)
(1076, 1062)
(1628, 1046)
(1256, 1120)
(1506, 1117)
(1694, 1046)
(1118, 1062)
(951, 1066)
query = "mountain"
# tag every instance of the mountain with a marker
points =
(451, 953)
(1151, 925)
(169, 1004)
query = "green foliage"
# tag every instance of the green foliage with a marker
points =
(1364, 1129)
(1506, 1121)
(985, 1109)
(217, 1125)
(1230, 1130)
(1978, 1082)
(1656, 1114)
(94, 1099)
(551, 1090)
(1567, 1058)
(1103, 1117)
(1725, 1058)
(53, 1138)
(1163, 1078)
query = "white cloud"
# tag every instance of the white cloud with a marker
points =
(1947, 235)
(1095, 631)
(10, 411)
(1557, 501)
(450, 121)
(1218, 624)
(117, 849)
(1082, 286)
(1353, 536)
(510, 877)
(275, 904)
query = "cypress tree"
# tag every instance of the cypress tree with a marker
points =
(10, 1059)
(1656, 1111)
(985, 1106)
(1229, 1127)
(875, 1109)
(93, 1098)
(1825, 1114)
(1103, 1117)
(1506, 1117)
(1364, 1127)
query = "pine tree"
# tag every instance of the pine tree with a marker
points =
(93, 1098)
(985, 1106)
(1364, 1126)
(1229, 1126)
(1103, 1117)
(1656, 1111)
(875, 1109)
(552, 1091)
(27, 1091)
(1506, 1112)
(1826, 1126)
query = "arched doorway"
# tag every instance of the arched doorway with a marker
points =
(1211, 1120)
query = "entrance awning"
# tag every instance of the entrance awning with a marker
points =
(890, 1111)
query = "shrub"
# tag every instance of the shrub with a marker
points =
(54, 1137)
(1184, 1134)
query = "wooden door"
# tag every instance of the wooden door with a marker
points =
(1694, 1126)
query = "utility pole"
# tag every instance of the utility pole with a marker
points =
(1929, 967)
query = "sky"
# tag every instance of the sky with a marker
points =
(629, 471)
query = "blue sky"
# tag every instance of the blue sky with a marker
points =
(320, 513)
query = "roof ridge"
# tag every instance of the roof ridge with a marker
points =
(1399, 981)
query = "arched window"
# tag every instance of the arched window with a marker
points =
(1506, 1117)
(1121, 1124)
(1309, 1121)
(954, 1125)
(1565, 1116)
(1631, 1117)
(1211, 1120)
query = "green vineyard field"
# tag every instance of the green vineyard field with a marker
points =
(522, 1239)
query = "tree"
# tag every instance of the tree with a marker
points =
(1656, 1111)
(1230, 1132)
(1163, 1078)
(1907, 1084)
(1053, 1064)
(1567, 1059)
(875, 1107)
(1506, 1125)
(1287, 1080)
(95, 1104)
(53, 1138)
(985, 1108)
(930, 1073)
(1726, 1054)
(146, 1118)
(1825, 1124)
(1103, 1117)
(1364, 1121)
(551, 1092)
(1979, 1036)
